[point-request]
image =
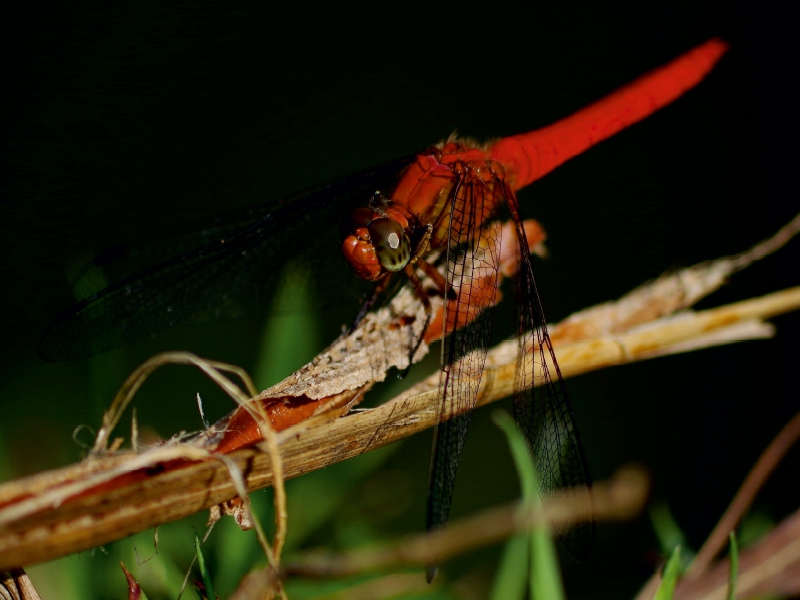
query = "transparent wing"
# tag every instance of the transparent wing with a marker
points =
(220, 270)
(472, 272)
(541, 406)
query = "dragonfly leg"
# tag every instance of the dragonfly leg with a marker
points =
(424, 244)
(379, 288)
(419, 290)
(378, 202)
(402, 374)
(438, 279)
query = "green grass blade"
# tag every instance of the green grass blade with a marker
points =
(669, 578)
(201, 563)
(545, 577)
(528, 480)
(512, 575)
(733, 573)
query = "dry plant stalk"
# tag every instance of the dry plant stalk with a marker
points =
(112, 496)
(744, 498)
(16, 585)
(619, 499)
(770, 567)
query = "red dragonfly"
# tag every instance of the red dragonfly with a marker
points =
(426, 214)
(443, 201)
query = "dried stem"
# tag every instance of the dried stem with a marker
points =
(139, 491)
(769, 568)
(114, 495)
(214, 371)
(16, 585)
(716, 541)
(618, 499)
(138, 377)
(753, 483)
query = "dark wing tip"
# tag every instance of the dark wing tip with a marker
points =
(579, 541)
(430, 572)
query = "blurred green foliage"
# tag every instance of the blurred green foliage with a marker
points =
(670, 575)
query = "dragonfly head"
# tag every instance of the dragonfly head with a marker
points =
(374, 244)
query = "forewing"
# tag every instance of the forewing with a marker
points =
(541, 406)
(227, 268)
(472, 272)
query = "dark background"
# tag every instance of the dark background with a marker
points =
(122, 120)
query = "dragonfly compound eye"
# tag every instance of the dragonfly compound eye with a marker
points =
(391, 243)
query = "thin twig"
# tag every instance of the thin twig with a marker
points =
(752, 484)
(618, 499)
(744, 498)
(135, 380)
(770, 568)
(16, 585)
(270, 446)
